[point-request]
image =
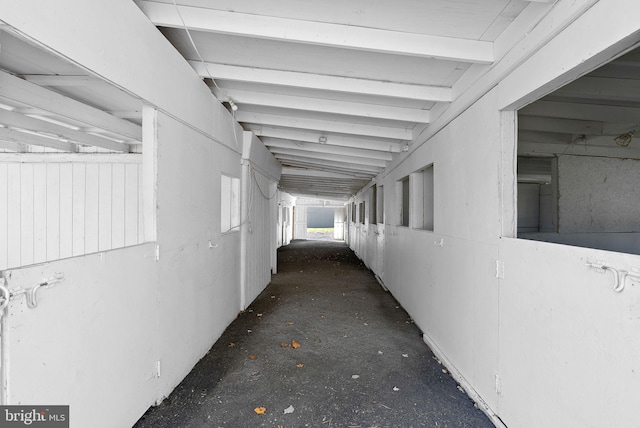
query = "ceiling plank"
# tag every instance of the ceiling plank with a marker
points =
(21, 91)
(567, 126)
(318, 33)
(325, 105)
(336, 165)
(527, 148)
(332, 139)
(315, 174)
(324, 125)
(324, 148)
(15, 136)
(18, 120)
(329, 156)
(13, 146)
(322, 82)
(60, 80)
(582, 111)
(601, 88)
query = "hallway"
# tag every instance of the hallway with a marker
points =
(360, 362)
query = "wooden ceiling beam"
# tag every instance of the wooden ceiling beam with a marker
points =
(325, 105)
(318, 33)
(324, 125)
(331, 139)
(323, 148)
(15, 136)
(39, 97)
(322, 82)
(18, 120)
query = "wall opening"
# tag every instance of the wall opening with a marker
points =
(76, 178)
(422, 198)
(404, 202)
(578, 164)
(320, 223)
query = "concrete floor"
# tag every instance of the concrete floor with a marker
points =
(361, 361)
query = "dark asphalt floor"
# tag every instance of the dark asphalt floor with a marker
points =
(361, 361)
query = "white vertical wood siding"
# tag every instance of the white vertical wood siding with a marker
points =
(54, 210)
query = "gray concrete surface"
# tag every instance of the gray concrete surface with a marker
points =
(361, 360)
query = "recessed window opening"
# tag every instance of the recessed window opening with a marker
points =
(422, 191)
(403, 187)
(380, 205)
(229, 204)
(373, 206)
(361, 212)
(353, 212)
(74, 178)
(578, 167)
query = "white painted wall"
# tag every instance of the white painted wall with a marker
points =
(598, 194)
(68, 206)
(261, 172)
(526, 327)
(120, 313)
(286, 202)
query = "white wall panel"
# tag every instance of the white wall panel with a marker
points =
(569, 353)
(56, 210)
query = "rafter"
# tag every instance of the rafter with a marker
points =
(23, 92)
(14, 136)
(332, 139)
(336, 165)
(60, 80)
(323, 148)
(317, 174)
(324, 125)
(318, 33)
(18, 120)
(329, 156)
(322, 82)
(327, 106)
(582, 111)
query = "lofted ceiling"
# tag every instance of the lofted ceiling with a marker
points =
(48, 105)
(335, 90)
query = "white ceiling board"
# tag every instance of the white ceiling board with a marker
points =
(323, 105)
(453, 18)
(384, 145)
(275, 55)
(319, 83)
(325, 94)
(319, 33)
(331, 117)
(20, 57)
(323, 125)
(326, 148)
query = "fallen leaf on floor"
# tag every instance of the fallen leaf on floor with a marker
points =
(259, 315)
(380, 352)
(395, 388)
(355, 376)
(322, 316)
(284, 345)
(288, 323)
(253, 357)
(232, 345)
(260, 410)
(288, 410)
(405, 355)
(294, 344)
(299, 365)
